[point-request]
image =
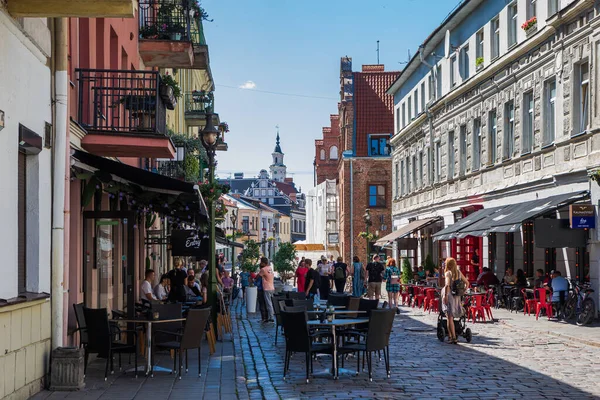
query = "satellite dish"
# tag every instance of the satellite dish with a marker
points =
(447, 44)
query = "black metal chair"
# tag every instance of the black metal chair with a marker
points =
(296, 295)
(377, 338)
(191, 338)
(338, 299)
(277, 309)
(298, 339)
(81, 325)
(100, 339)
(159, 331)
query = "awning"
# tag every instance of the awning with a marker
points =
(166, 196)
(406, 230)
(451, 232)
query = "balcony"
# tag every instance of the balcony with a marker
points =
(172, 169)
(123, 113)
(197, 104)
(70, 8)
(201, 60)
(165, 33)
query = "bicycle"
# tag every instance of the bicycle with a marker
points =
(580, 304)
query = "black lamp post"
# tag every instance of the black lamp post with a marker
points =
(368, 223)
(233, 217)
(209, 137)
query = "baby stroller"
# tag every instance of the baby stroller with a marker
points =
(460, 325)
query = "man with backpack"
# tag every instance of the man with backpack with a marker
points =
(374, 277)
(340, 271)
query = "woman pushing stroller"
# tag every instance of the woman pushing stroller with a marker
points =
(455, 285)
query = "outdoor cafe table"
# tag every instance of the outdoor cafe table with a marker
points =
(338, 312)
(149, 323)
(335, 324)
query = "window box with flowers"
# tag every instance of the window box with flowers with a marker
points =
(479, 63)
(530, 26)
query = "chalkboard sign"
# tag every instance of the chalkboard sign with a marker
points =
(186, 243)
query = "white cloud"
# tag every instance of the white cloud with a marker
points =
(248, 85)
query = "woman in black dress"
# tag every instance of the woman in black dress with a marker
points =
(178, 278)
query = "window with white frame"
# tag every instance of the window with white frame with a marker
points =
(582, 98)
(495, 39)
(429, 174)
(403, 115)
(476, 145)
(549, 112)
(509, 130)
(402, 178)
(415, 169)
(463, 150)
(421, 170)
(438, 161)
(531, 9)
(416, 101)
(527, 140)
(397, 179)
(398, 119)
(552, 7)
(322, 154)
(333, 153)
(431, 86)
(492, 137)
(452, 71)
(410, 114)
(451, 155)
(438, 82)
(480, 41)
(512, 24)
(407, 176)
(464, 63)
(422, 96)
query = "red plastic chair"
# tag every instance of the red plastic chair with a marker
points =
(489, 303)
(428, 297)
(419, 297)
(404, 294)
(530, 304)
(433, 300)
(476, 309)
(542, 304)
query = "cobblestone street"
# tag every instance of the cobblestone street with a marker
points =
(503, 361)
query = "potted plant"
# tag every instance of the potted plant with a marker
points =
(530, 25)
(169, 91)
(479, 62)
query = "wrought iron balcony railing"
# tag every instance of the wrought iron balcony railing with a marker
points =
(120, 101)
(197, 33)
(172, 169)
(199, 103)
(165, 20)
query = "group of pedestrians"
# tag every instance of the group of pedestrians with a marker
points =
(264, 281)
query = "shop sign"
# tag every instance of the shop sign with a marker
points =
(186, 243)
(582, 216)
(333, 238)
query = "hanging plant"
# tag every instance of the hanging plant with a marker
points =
(212, 192)
(371, 237)
(198, 11)
(595, 176)
(191, 168)
(220, 210)
(172, 83)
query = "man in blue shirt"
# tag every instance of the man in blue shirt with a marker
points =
(559, 284)
(245, 281)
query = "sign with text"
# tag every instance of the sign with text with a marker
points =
(185, 243)
(582, 216)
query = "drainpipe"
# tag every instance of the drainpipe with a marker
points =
(352, 212)
(430, 119)
(58, 179)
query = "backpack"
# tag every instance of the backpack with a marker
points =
(458, 286)
(339, 273)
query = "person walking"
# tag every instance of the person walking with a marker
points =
(260, 297)
(268, 276)
(375, 277)
(300, 276)
(313, 281)
(358, 278)
(456, 284)
(392, 283)
(340, 272)
(323, 269)
(245, 282)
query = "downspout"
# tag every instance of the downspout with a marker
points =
(352, 212)
(430, 119)
(58, 179)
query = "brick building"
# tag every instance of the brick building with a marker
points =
(327, 151)
(364, 176)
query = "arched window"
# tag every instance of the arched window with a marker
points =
(322, 154)
(333, 153)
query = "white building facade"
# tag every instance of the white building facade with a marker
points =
(321, 215)
(498, 108)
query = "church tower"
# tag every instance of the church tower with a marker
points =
(278, 168)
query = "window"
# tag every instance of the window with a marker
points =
(463, 150)
(333, 153)
(245, 224)
(410, 114)
(402, 176)
(396, 180)
(531, 9)
(416, 100)
(582, 98)
(438, 161)
(422, 96)
(527, 141)
(403, 115)
(451, 155)
(438, 90)
(414, 173)
(421, 170)
(495, 30)
(377, 196)
(431, 86)
(509, 130)
(479, 40)
(549, 111)
(22, 222)
(512, 24)
(452, 71)
(429, 174)
(476, 145)
(407, 175)
(398, 119)
(552, 7)
(379, 145)
(322, 154)
(492, 135)
(464, 62)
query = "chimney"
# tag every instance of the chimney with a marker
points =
(373, 68)
(238, 175)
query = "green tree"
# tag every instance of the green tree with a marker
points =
(284, 261)
(429, 264)
(407, 273)
(250, 256)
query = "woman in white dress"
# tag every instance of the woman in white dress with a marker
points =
(451, 302)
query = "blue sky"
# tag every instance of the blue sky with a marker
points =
(295, 47)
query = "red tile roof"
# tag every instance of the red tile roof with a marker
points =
(374, 109)
(286, 188)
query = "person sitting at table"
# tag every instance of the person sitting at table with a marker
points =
(146, 293)
(559, 284)
(521, 278)
(178, 280)
(539, 279)
(475, 260)
(204, 288)
(421, 272)
(487, 278)
(227, 282)
(161, 291)
(509, 278)
(192, 290)
(416, 277)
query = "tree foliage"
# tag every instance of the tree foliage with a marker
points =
(250, 256)
(429, 264)
(284, 260)
(407, 273)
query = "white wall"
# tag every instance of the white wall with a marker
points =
(25, 99)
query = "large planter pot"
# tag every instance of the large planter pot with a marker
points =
(176, 36)
(166, 94)
(251, 296)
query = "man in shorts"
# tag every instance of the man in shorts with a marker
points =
(374, 278)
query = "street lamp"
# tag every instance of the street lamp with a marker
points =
(233, 217)
(209, 137)
(368, 223)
